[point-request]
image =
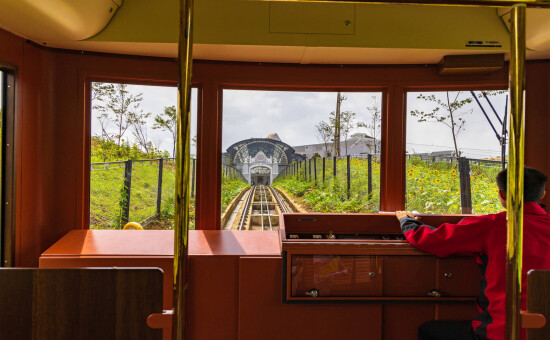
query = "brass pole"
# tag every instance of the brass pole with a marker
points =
(181, 223)
(460, 3)
(514, 194)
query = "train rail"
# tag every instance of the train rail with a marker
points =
(258, 209)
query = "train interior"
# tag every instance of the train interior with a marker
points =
(266, 263)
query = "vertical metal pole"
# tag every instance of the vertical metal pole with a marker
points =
(127, 192)
(309, 170)
(465, 185)
(315, 170)
(324, 170)
(349, 176)
(159, 187)
(193, 175)
(514, 194)
(369, 164)
(181, 220)
(334, 166)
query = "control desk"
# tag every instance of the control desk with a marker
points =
(365, 258)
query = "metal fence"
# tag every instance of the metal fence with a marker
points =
(352, 177)
(436, 185)
(138, 190)
(229, 172)
(453, 185)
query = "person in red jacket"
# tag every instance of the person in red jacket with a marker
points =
(485, 237)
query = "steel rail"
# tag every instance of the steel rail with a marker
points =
(261, 210)
(268, 210)
(280, 202)
(246, 206)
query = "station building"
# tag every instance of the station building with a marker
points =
(260, 160)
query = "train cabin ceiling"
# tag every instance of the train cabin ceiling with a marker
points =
(261, 31)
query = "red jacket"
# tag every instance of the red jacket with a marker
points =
(485, 236)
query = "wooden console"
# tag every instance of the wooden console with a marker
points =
(364, 258)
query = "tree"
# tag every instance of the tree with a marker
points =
(345, 125)
(166, 121)
(373, 126)
(347, 122)
(325, 134)
(119, 106)
(336, 124)
(139, 124)
(447, 111)
(99, 92)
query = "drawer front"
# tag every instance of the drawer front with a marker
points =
(335, 276)
(458, 277)
(409, 276)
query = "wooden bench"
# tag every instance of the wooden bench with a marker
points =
(91, 303)
(538, 305)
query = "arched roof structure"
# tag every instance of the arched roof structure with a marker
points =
(279, 152)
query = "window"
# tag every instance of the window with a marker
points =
(133, 141)
(286, 145)
(2, 110)
(455, 143)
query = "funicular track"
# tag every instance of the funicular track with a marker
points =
(258, 209)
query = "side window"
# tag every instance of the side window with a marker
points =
(456, 145)
(132, 170)
(7, 166)
(312, 152)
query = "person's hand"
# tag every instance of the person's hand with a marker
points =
(401, 214)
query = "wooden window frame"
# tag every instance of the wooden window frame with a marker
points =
(87, 99)
(8, 166)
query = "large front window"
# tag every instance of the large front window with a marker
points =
(318, 151)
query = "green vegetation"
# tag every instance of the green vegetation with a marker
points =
(231, 188)
(332, 196)
(432, 188)
(107, 186)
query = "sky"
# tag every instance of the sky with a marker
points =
(293, 116)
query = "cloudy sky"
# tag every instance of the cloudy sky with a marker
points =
(293, 116)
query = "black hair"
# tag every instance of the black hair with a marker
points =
(533, 185)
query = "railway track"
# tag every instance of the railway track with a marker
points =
(258, 209)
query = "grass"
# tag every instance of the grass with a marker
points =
(107, 194)
(432, 187)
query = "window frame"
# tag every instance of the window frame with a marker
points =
(383, 90)
(8, 166)
(451, 88)
(88, 130)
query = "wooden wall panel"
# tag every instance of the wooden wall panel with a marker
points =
(212, 297)
(53, 126)
(537, 120)
(263, 316)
